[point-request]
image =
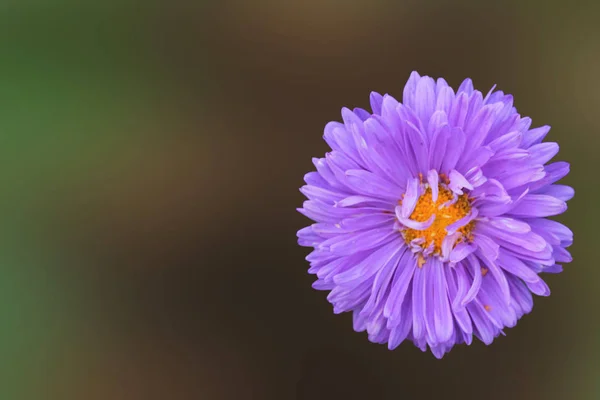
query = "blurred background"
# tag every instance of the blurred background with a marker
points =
(150, 160)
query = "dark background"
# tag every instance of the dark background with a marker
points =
(150, 160)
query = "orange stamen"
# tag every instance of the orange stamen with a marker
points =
(445, 216)
(444, 178)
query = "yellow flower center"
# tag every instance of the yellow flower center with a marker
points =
(444, 216)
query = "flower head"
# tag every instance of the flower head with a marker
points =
(431, 215)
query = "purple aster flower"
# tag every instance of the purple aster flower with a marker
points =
(431, 215)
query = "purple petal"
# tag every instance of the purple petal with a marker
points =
(369, 266)
(322, 285)
(475, 103)
(445, 97)
(444, 325)
(353, 242)
(539, 288)
(381, 283)
(437, 122)
(327, 174)
(432, 179)
(409, 95)
(425, 98)
(449, 202)
(561, 254)
(428, 295)
(535, 136)
(459, 110)
(411, 197)
(466, 87)
(366, 221)
(488, 96)
(357, 137)
(318, 193)
(347, 298)
(510, 224)
(517, 267)
(412, 224)
(493, 207)
(419, 292)
(475, 269)
(389, 113)
(307, 237)
(488, 252)
(507, 120)
(440, 84)
(359, 322)
(498, 311)
(352, 201)
(483, 327)
(327, 271)
(521, 296)
(322, 212)
(543, 152)
(522, 176)
(452, 228)
(408, 115)
(508, 141)
(384, 162)
(458, 182)
(339, 139)
(475, 177)
(376, 101)
(524, 124)
(339, 163)
(315, 179)
(461, 251)
(503, 160)
(454, 150)
(402, 330)
(438, 145)
(491, 189)
(540, 257)
(479, 126)
(361, 113)
(554, 172)
(477, 158)
(561, 192)
(539, 205)
(317, 256)
(564, 234)
(462, 284)
(399, 289)
(368, 183)
(417, 145)
(448, 244)
(460, 313)
(415, 245)
(528, 240)
(385, 155)
(327, 230)
(553, 269)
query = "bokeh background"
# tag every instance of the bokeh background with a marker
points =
(150, 160)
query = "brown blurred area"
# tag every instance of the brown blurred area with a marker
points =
(188, 280)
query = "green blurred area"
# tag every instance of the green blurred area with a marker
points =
(76, 92)
(76, 86)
